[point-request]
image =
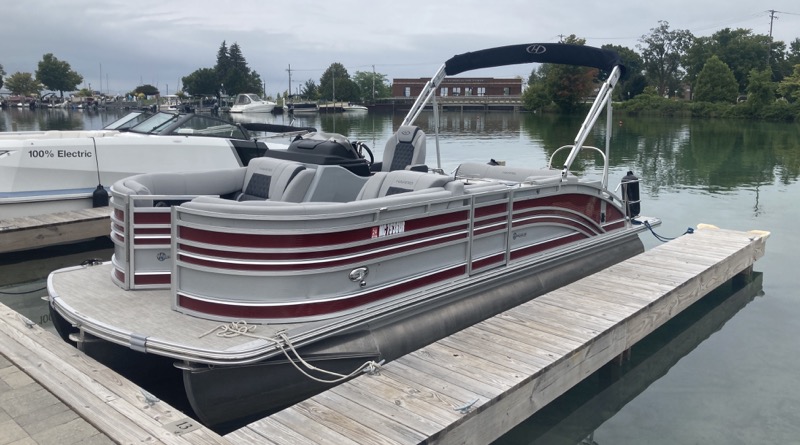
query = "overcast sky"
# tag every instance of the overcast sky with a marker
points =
(117, 45)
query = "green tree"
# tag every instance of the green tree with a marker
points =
(760, 89)
(232, 72)
(23, 84)
(147, 90)
(335, 84)
(372, 85)
(568, 86)
(535, 96)
(202, 82)
(716, 83)
(2, 74)
(632, 83)
(662, 51)
(310, 90)
(789, 87)
(57, 75)
(740, 49)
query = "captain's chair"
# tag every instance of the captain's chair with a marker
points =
(406, 148)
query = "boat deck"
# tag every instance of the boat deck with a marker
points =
(148, 314)
(477, 384)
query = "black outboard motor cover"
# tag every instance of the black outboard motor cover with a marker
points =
(630, 191)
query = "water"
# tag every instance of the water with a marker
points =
(724, 372)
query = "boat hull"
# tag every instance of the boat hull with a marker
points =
(228, 397)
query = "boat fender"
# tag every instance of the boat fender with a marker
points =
(630, 191)
(100, 197)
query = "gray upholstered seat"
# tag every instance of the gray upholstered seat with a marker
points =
(406, 147)
(276, 180)
(400, 181)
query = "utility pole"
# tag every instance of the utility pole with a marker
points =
(373, 84)
(769, 44)
(290, 78)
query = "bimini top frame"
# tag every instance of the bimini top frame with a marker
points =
(561, 53)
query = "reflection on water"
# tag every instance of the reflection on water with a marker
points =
(572, 418)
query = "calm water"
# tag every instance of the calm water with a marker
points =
(724, 372)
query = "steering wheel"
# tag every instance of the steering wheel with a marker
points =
(360, 147)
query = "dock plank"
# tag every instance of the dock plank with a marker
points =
(34, 232)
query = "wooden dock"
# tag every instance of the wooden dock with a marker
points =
(477, 384)
(34, 232)
(52, 393)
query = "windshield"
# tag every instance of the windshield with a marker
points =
(127, 121)
(154, 123)
(201, 125)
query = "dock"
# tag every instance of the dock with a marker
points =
(52, 393)
(474, 386)
(470, 387)
(33, 232)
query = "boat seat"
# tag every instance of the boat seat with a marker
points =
(405, 148)
(401, 181)
(504, 173)
(276, 180)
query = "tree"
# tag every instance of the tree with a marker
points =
(232, 72)
(789, 88)
(2, 74)
(147, 90)
(535, 95)
(760, 89)
(57, 75)
(310, 90)
(740, 49)
(372, 85)
(631, 83)
(23, 84)
(662, 51)
(568, 86)
(716, 83)
(202, 82)
(335, 84)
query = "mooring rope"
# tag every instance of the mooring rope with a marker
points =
(664, 239)
(237, 328)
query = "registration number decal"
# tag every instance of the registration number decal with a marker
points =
(389, 229)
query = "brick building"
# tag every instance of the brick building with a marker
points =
(460, 86)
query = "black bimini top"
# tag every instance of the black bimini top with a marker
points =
(561, 53)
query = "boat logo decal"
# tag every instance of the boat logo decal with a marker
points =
(516, 235)
(162, 256)
(358, 275)
(536, 49)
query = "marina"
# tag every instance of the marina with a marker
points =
(739, 194)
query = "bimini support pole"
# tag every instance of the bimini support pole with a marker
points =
(603, 97)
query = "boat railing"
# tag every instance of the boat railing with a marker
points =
(570, 147)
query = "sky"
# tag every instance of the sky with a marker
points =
(117, 45)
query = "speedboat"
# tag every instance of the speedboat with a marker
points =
(256, 287)
(55, 171)
(350, 108)
(251, 103)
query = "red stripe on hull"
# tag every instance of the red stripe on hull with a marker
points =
(141, 280)
(312, 309)
(310, 239)
(310, 264)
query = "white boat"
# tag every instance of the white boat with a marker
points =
(251, 103)
(256, 287)
(170, 103)
(55, 171)
(354, 108)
